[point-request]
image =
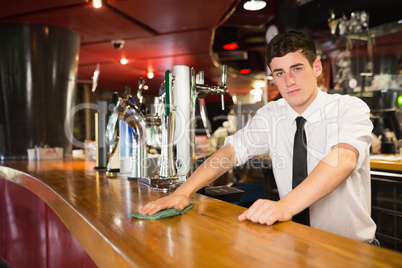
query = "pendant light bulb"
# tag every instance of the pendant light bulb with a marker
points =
(254, 5)
(124, 61)
(97, 3)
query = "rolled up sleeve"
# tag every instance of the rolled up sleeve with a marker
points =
(353, 127)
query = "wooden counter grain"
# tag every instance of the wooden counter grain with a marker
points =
(96, 211)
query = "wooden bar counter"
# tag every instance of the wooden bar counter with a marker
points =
(386, 163)
(95, 209)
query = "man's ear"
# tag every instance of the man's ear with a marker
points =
(317, 65)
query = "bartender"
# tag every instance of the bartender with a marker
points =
(319, 145)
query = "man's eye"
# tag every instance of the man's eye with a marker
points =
(279, 74)
(297, 69)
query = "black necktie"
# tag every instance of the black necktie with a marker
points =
(300, 165)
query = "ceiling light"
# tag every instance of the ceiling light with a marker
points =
(124, 61)
(230, 38)
(150, 75)
(97, 3)
(231, 46)
(244, 67)
(254, 5)
(245, 71)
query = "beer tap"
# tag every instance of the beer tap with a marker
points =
(179, 95)
(203, 90)
(167, 176)
(167, 168)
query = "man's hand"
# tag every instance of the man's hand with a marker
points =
(215, 166)
(266, 212)
(171, 201)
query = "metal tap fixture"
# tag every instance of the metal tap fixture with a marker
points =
(134, 118)
(200, 90)
(204, 90)
(166, 113)
(100, 135)
(177, 121)
(167, 169)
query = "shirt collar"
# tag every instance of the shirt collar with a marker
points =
(312, 114)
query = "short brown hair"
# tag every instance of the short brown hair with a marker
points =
(285, 43)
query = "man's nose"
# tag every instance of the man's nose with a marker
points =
(290, 80)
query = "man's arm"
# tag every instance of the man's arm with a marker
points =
(215, 166)
(332, 170)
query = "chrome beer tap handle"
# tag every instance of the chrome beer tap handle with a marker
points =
(204, 90)
(224, 77)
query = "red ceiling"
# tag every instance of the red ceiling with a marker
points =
(158, 34)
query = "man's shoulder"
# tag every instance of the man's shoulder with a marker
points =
(344, 99)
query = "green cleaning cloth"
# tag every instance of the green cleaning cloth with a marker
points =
(163, 213)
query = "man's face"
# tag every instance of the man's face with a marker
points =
(296, 79)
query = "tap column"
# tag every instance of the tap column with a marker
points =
(182, 103)
(100, 135)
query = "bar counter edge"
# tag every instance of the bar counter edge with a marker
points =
(95, 210)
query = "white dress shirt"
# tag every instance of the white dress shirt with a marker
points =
(331, 120)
